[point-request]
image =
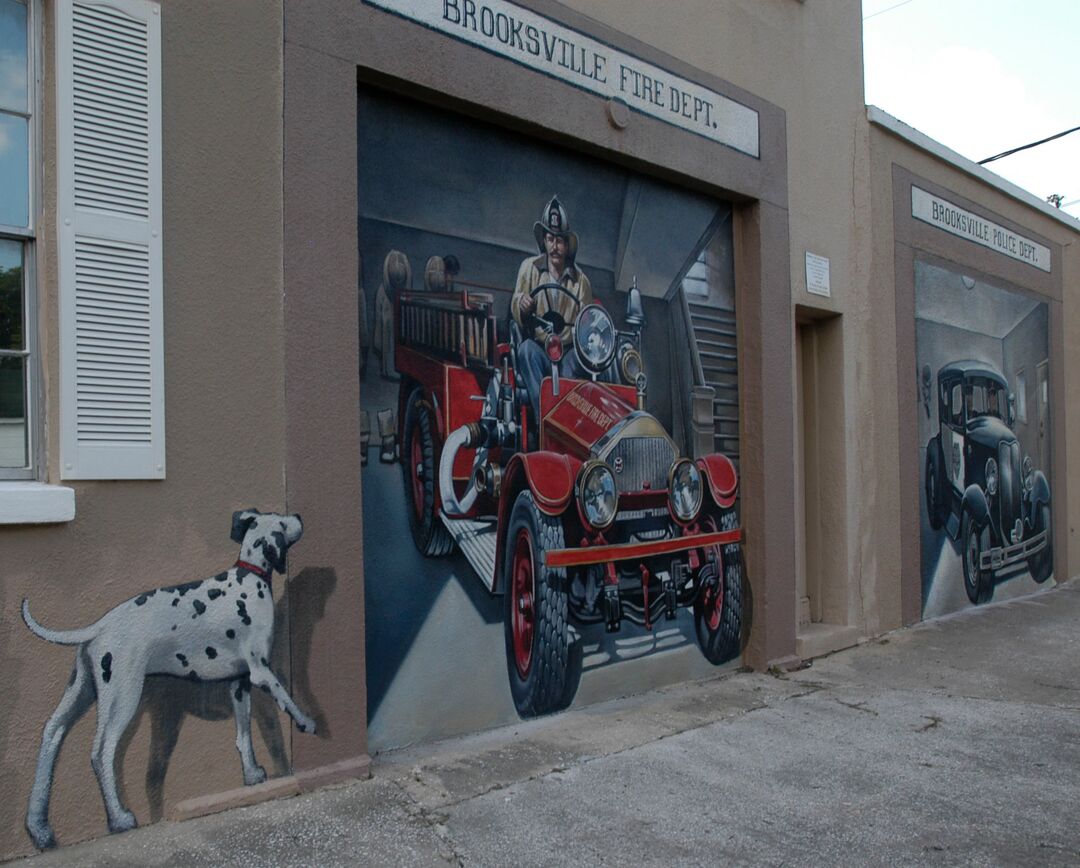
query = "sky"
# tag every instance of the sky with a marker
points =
(981, 77)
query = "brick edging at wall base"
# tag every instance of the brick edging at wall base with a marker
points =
(356, 768)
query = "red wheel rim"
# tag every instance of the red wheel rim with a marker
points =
(712, 599)
(416, 458)
(522, 610)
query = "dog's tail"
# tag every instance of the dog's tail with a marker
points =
(60, 637)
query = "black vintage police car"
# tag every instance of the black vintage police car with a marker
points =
(978, 487)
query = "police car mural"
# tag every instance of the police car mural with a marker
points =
(980, 488)
(527, 446)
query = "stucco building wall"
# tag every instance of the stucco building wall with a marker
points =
(225, 440)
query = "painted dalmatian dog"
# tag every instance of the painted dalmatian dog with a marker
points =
(217, 629)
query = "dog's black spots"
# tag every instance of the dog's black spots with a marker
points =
(184, 588)
(230, 633)
(264, 688)
(193, 675)
(241, 610)
(221, 577)
(174, 626)
(214, 593)
(301, 727)
(142, 598)
(176, 602)
(211, 652)
(182, 659)
(239, 692)
(106, 667)
(243, 595)
(261, 595)
(199, 606)
(240, 573)
(262, 660)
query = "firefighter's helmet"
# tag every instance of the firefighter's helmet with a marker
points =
(554, 220)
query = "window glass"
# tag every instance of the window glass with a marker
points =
(13, 422)
(14, 170)
(957, 405)
(11, 295)
(13, 56)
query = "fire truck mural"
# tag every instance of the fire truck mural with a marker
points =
(984, 440)
(553, 513)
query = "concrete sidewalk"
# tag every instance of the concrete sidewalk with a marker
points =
(953, 743)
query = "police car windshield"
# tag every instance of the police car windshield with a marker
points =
(985, 398)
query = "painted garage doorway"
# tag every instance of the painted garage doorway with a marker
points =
(549, 366)
(982, 354)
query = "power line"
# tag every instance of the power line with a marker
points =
(1025, 147)
(883, 11)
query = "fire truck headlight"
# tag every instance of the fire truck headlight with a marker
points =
(597, 495)
(685, 488)
(991, 476)
(594, 338)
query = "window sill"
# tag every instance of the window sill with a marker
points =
(35, 503)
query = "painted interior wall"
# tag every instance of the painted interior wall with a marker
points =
(224, 386)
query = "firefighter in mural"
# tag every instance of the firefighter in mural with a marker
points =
(566, 290)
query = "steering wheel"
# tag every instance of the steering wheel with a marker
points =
(552, 321)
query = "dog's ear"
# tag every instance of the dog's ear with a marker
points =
(241, 521)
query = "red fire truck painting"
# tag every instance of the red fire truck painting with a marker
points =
(586, 515)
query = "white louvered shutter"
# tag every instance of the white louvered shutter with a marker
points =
(112, 402)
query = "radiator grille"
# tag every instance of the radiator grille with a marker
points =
(644, 462)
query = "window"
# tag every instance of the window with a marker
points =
(1021, 397)
(18, 361)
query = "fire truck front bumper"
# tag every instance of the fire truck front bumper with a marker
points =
(639, 551)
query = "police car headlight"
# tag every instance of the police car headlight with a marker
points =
(685, 489)
(991, 476)
(597, 495)
(1028, 473)
(594, 338)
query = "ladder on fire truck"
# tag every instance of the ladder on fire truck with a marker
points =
(714, 335)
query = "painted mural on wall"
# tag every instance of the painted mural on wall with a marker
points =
(219, 629)
(984, 438)
(541, 516)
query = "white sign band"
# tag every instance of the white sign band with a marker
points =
(541, 44)
(962, 223)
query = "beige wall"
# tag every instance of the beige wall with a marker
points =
(224, 384)
(895, 164)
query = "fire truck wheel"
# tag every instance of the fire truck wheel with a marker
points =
(978, 583)
(1041, 564)
(718, 610)
(534, 612)
(420, 468)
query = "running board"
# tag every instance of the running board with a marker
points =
(477, 540)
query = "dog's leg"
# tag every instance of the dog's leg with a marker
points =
(77, 698)
(118, 700)
(240, 690)
(262, 677)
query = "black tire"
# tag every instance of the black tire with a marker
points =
(932, 483)
(1041, 564)
(721, 637)
(979, 584)
(535, 627)
(420, 470)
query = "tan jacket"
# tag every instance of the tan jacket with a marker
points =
(532, 273)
